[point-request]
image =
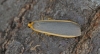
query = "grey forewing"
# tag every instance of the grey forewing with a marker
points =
(62, 28)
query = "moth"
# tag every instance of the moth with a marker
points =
(60, 28)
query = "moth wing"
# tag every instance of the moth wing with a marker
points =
(58, 28)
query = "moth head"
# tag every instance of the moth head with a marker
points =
(30, 24)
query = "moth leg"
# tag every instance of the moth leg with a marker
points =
(42, 18)
(37, 33)
(46, 18)
(50, 19)
(47, 34)
(32, 32)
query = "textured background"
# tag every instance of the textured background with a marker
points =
(17, 38)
